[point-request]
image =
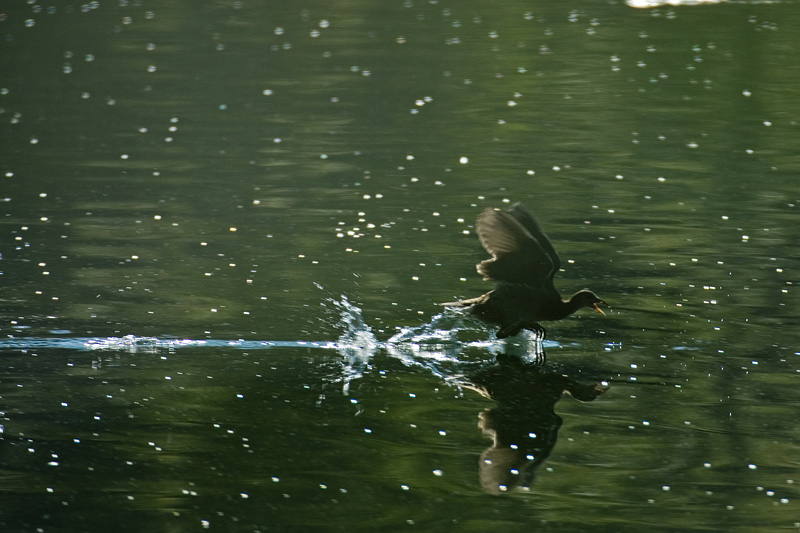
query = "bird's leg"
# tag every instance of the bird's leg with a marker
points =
(509, 330)
(537, 330)
(538, 356)
(518, 348)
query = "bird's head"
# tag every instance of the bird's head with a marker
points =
(587, 298)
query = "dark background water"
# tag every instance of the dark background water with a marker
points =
(305, 177)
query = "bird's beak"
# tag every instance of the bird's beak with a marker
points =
(598, 309)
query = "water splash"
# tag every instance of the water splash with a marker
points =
(357, 337)
(357, 344)
(129, 344)
(444, 329)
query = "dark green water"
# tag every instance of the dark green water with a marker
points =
(224, 227)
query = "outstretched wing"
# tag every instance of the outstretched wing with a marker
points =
(518, 256)
(526, 218)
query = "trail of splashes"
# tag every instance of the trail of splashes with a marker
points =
(443, 329)
(431, 346)
(357, 344)
(447, 333)
(437, 346)
(357, 335)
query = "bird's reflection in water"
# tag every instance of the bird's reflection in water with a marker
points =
(523, 426)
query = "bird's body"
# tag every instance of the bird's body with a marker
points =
(523, 264)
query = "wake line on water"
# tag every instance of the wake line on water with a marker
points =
(439, 347)
(441, 335)
(132, 343)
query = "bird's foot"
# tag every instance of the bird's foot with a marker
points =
(538, 331)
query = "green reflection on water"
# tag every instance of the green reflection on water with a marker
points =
(657, 147)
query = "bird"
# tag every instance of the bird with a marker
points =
(523, 265)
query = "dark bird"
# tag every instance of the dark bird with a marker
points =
(523, 264)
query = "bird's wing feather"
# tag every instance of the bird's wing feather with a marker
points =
(500, 233)
(517, 256)
(529, 222)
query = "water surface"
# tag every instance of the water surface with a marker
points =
(225, 228)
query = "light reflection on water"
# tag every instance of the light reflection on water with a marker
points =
(185, 176)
